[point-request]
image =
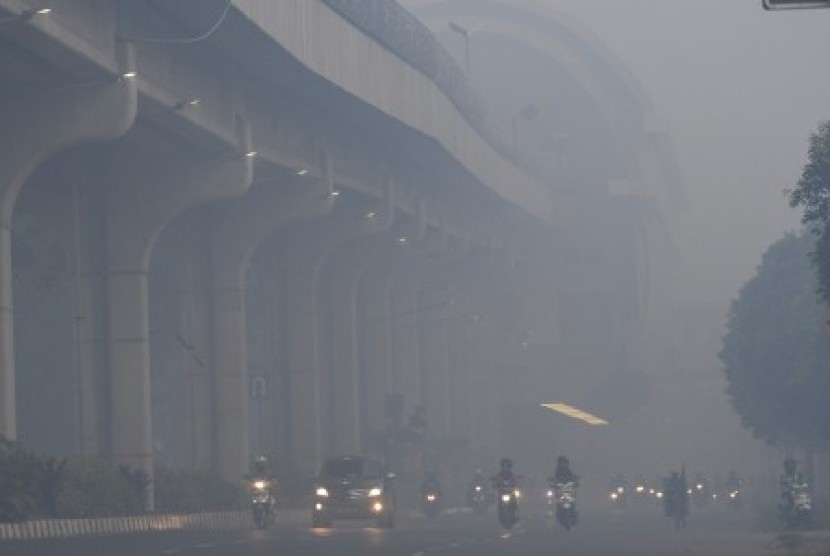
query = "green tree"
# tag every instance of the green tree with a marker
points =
(776, 350)
(813, 194)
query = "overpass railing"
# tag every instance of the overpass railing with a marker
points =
(403, 34)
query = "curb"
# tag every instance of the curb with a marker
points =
(63, 528)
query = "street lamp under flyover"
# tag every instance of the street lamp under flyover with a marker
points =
(465, 33)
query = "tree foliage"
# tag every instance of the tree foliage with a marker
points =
(813, 194)
(776, 350)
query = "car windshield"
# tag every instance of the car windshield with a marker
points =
(344, 469)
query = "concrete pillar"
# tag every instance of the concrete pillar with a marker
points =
(142, 201)
(304, 333)
(189, 259)
(344, 272)
(240, 228)
(34, 129)
(376, 324)
(411, 310)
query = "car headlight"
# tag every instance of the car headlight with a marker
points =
(614, 496)
(322, 492)
(550, 494)
(640, 488)
(700, 487)
(259, 485)
(505, 498)
(517, 493)
(620, 490)
(375, 492)
(659, 495)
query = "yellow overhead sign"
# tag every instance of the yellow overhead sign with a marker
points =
(575, 413)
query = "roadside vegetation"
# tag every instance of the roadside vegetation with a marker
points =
(38, 487)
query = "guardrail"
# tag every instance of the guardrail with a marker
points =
(218, 521)
(403, 34)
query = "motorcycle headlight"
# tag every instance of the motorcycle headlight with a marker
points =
(518, 493)
(640, 488)
(375, 492)
(620, 490)
(733, 495)
(505, 498)
(700, 487)
(431, 497)
(478, 488)
(550, 494)
(614, 496)
(259, 485)
(659, 495)
(322, 492)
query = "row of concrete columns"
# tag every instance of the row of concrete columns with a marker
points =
(365, 302)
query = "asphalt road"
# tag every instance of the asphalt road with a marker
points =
(462, 535)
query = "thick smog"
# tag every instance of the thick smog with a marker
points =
(414, 277)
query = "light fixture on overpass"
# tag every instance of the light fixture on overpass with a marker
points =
(26, 15)
(576, 413)
(251, 154)
(795, 4)
(371, 214)
(403, 239)
(334, 193)
(132, 74)
(192, 101)
(301, 172)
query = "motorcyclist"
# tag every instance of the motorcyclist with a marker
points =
(478, 485)
(431, 484)
(676, 496)
(505, 476)
(563, 473)
(262, 486)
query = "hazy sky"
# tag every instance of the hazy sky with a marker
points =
(741, 90)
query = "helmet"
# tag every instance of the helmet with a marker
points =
(562, 461)
(506, 464)
(789, 465)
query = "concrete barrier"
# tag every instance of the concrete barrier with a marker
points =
(218, 521)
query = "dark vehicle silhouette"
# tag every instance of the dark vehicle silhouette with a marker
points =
(354, 487)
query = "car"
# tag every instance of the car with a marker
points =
(354, 487)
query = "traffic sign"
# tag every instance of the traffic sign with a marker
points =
(795, 4)
(259, 387)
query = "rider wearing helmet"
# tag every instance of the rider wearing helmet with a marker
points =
(505, 475)
(563, 473)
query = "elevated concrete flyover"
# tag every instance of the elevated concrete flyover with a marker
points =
(172, 146)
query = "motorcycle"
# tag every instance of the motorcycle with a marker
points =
(263, 503)
(479, 499)
(566, 512)
(508, 504)
(797, 511)
(700, 492)
(735, 498)
(431, 503)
